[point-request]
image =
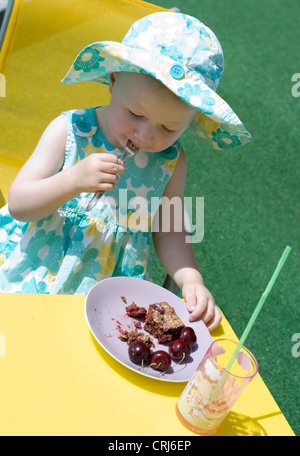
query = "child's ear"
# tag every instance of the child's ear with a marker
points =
(111, 80)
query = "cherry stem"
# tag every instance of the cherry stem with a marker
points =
(142, 366)
(150, 365)
(155, 364)
(158, 364)
(183, 356)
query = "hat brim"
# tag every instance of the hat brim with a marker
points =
(215, 123)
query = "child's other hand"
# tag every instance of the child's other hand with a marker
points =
(201, 304)
(98, 172)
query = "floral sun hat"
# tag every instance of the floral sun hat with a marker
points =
(183, 54)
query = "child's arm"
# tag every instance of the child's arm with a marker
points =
(41, 187)
(178, 258)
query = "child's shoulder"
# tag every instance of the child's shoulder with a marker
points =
(80, 112)
(82, 120)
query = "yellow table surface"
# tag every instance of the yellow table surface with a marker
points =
(55, 379)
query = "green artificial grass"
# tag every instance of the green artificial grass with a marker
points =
(251, 194)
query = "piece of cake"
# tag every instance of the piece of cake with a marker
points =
(131, 336)
(137, 312)
(162, 322)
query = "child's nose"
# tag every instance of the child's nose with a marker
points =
(145, 134)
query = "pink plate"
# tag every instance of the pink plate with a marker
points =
(106, 314)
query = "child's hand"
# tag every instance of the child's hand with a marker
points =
(98, 172)
(201, 303)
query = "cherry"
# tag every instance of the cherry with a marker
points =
(179, 349)
(160, 360)
(188, 334)
(138, 351)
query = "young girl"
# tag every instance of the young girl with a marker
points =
(162, 79)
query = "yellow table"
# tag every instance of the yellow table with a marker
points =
(56, 380)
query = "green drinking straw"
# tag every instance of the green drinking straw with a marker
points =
(253, 317)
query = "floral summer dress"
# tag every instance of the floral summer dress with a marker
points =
(72, 249)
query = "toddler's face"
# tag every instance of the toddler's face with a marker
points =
(145, 112)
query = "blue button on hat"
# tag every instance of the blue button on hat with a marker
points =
(183, 54)
(177, 72)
